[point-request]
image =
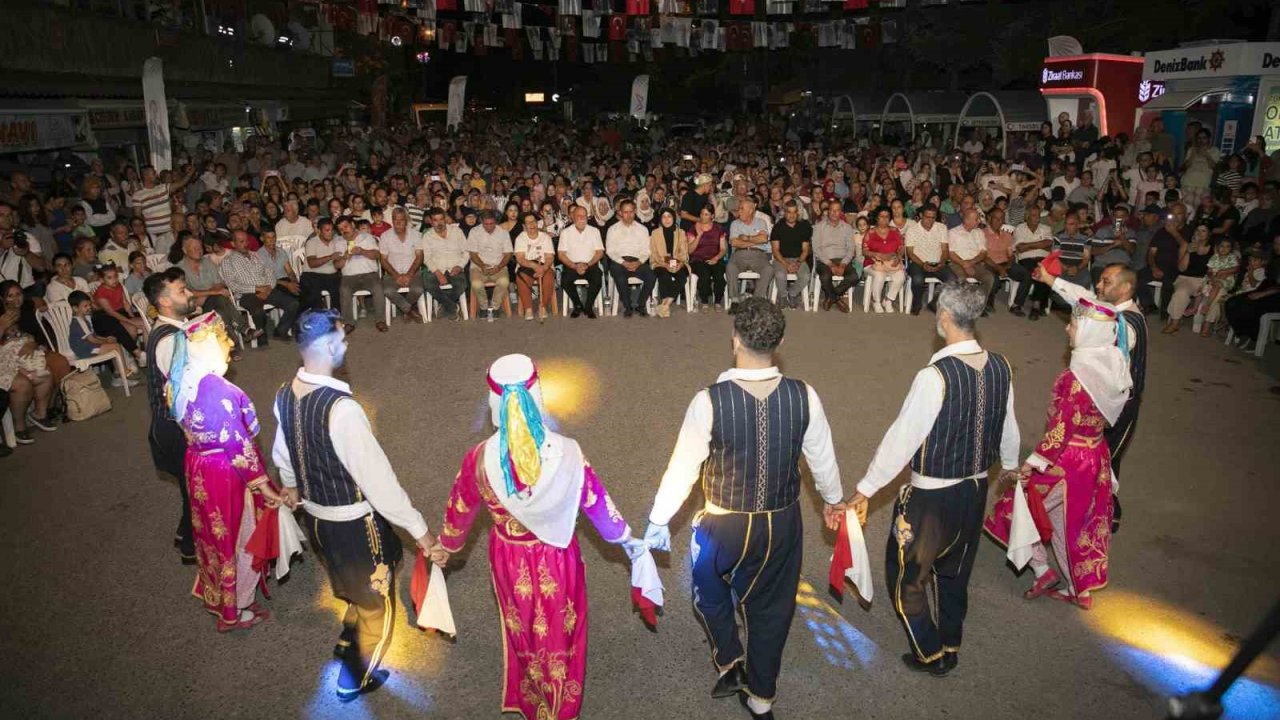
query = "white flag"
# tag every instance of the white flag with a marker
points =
(639, 96)
(590, 24)
(157, 109)
(457, 98)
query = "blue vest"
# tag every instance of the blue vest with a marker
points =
(965, 439)
(754, 463)
(305, 423)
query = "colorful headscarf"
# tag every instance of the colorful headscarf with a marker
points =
(521, 431)
(200, 349)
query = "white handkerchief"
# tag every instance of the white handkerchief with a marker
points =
(436, 613)
(1022, 530)
(860, 572)
(290, 537)
(644, 575)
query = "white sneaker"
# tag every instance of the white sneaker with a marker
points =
(141, 357)
(878, 307)
(528, 314)
(888, 306)
(116, 381)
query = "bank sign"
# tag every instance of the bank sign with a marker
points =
(1213, 61)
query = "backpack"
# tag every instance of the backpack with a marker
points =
(84, 396)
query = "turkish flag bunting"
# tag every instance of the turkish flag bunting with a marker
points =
(856, 4)
(742, 7)
(617, 28)
(446, 5)
(637, 7)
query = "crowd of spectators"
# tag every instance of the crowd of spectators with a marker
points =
(375, 221)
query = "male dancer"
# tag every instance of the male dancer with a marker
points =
(1116, 286)
(167, 292)
(956, 421)
(743, 437)
(331, 462)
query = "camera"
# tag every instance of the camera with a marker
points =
(20, 239)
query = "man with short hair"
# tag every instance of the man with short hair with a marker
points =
(748, 539)
(167, 292)
(926, 244)
(444, 256)
(16, 259)
(152, 202)
(490, 248)
(360, 272)
(694, 200)
(1073, 247)
(749, 238)
(957, 420)
(627, 245)
(1032, 241)
(580, 253)
(254, 287)
(967, 251)
(401, 250)
(1112, 243)
(791, 241)
(834, 250)
(325, 256)
(293, 229)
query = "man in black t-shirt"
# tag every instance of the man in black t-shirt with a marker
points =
(693, 201)
(791, 246)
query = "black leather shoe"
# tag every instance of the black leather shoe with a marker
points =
(950, 660)
(935, 668)
(591, 313)
(375, 682)
(1017, 311)
(731, 682)
(767, 715)
(1036, 314)
(577, 312)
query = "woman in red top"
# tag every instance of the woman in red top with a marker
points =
(882, 261)
(114, 315)
(706, 250)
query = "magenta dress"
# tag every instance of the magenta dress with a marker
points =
(222, 461)
(541, 592)
(1076, 486)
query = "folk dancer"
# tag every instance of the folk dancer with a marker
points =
(332, 465)
(1116, 286)
(227, 479)
(1070, 469)
(956, 422)
(167, 292)
(743, 437)
(533, 482)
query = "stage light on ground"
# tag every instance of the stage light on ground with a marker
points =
(840, 643)
(570, 388)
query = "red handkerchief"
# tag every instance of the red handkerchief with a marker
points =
(1035, 503)
(646, 607)
(1052, 264)
(419, 582)
(264, 543)
(841, 561)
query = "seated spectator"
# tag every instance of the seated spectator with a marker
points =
(1073, 247)
(627, 245)
(926, 246)
(834, 252)
(325, 256)
(254, 286)
(208, 292)
(1245, 309)
(86, 343)
(17, 261)
(293, 229)
(535, 258)
(999, 250)
(1162, 258)
(966, 249)
(360, 272)
(138, 273)
(882, 263)
(401, 248)
(277, 261)
(1032, 241)
(791, 241)
(669, 258)
(85, 261)
(581, 251)
(490, 249)
(114, 316)
(1224, 266)
(749, 238)
(1112, 243)
(377, 223)
(1193, 267)
(26, 377)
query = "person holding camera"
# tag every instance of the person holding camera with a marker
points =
(17, 262)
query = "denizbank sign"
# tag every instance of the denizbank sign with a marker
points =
(1213, 61)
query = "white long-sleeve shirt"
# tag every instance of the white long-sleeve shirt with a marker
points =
(360, 454)
(915, 421)
(625, 240)
(693, 446)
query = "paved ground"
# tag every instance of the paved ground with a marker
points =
(98, 619)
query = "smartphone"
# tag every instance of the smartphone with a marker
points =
(435, 178)
(688, 157)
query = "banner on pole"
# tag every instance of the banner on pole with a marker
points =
(157, 108)
(640, 96)
(457, 97)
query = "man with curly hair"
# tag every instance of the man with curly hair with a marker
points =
(743, 437)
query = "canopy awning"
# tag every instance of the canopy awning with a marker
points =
(856, 108)
(918, 108)
(1181, 99)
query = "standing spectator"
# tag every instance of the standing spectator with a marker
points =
(669, 258)
(749, 238)
(627, 245)
(98, 213)
(152, 201)
(490, 248)
(792, 242)
(707, 248)
(581, 251)
(1197, 168)
(402, 253)
(882, 248)
(360, 272)
(693, 200)
(254, 286)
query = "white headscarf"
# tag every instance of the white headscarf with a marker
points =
(644, 207)
(1101, 367)
(199, 352)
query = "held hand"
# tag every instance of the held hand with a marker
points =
(832, 514)
(270, 495)
(290, 497)
(658, 537)
(439, 556)
(634, 547)
(426, 542)
(859, 504)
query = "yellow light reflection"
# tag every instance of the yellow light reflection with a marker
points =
(1168, 631)
(411, 648)
(570, 388)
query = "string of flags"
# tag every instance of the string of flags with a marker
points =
(596, 31)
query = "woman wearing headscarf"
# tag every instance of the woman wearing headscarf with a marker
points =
(669, 257)
(226, 477)
(644, 208)
(533, 482)
(1069, 472)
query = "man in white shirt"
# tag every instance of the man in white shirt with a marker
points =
(401, 250)
(749, 238)
(444, 255)
(332, 466)
(293, 229)
(360, 272)
(292, 169)
(1032, 241)
(490, 249)
(926, 244)
(580, 253)
(627, 244)
(1068, 182)
(957, 421)
(967, 252)
(748, 540)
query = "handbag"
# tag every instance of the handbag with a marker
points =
(84, 396)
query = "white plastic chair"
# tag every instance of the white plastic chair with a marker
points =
(10, 437)
(298, 261)
(804, 294)
(58, 316)
(743, 277)
(1012, 286)
(648, 302)
(815, 291)
(1157, 289)
(158, 263)
(866, 293)
(1265, 324)
(429, 308)
(143, 307)
(566, 304)
(423, 305)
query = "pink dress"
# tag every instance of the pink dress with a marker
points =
(222, 460)
(541, 592)
(1076, 486)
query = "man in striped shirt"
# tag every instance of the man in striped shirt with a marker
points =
(152, 200)
(1074, 246)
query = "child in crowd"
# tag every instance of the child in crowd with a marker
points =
(1223, 267)
(85, 343)
(138, 273)
(79, 225)
(378, 226)
(115, 315)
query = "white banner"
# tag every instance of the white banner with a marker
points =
(457, 97)
(640, 97)
(157, 108)
(28, 131)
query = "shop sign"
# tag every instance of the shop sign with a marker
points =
(1149, 90)
(117, 117)
(27, 132)
(1070, 73)
(1214, 61)
(1271, 117)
